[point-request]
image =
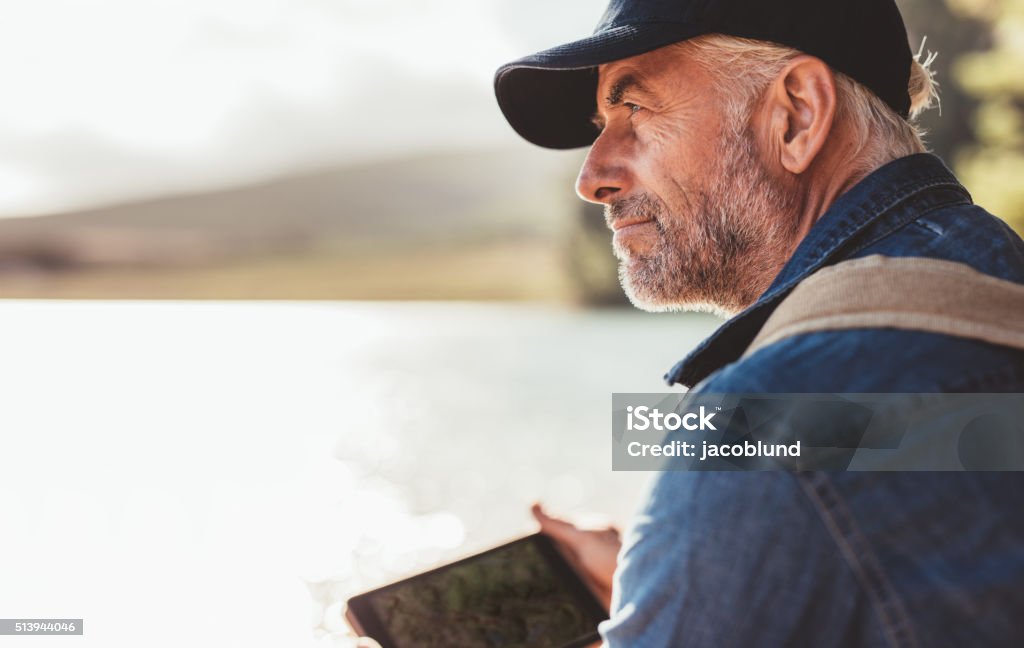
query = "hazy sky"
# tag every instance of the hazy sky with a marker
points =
(111, 99)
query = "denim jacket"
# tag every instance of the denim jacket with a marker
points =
(841, 559)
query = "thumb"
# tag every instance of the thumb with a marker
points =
(560, 530)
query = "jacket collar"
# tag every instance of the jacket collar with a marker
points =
(879, 204)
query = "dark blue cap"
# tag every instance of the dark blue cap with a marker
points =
(549, 97)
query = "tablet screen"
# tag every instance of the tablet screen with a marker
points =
(520, 594)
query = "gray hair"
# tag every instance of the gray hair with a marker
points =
(743, 68)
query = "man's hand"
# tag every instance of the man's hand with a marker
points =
(592, 553)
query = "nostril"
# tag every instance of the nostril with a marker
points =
(605, 193)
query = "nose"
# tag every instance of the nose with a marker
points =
(605, 176)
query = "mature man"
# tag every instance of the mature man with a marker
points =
(738, 147)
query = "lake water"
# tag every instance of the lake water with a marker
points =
(227, 474)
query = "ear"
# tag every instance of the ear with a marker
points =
(800, 105)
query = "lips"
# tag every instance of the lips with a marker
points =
(629, 222)
(633, 236)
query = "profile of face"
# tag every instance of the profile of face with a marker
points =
(700, 220)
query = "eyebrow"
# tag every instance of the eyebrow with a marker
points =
(628, 82)
(619, 88)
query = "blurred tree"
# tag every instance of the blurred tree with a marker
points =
(948, 128)
(992, 165)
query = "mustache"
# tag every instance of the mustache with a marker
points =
(640, 206)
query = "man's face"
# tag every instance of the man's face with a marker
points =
(699, 221)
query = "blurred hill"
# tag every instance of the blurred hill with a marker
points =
(467, 224)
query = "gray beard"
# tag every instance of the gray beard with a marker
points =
(720, 257)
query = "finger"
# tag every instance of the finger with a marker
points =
(558, 529)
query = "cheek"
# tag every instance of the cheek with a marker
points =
(678, 161)
(658, 136)
(675, 144)
(671, 171)
(662, 156)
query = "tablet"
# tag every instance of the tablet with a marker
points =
(523, 593)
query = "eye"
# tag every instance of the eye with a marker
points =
(633, 108)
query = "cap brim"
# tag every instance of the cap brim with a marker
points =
(549, 98)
